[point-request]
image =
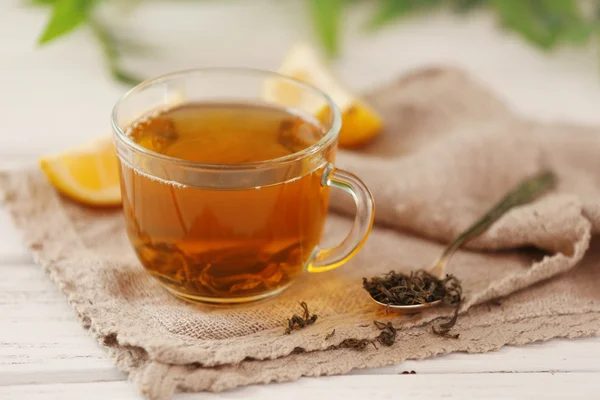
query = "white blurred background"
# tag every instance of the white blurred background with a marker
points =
(58, 95)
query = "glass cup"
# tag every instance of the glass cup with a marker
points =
(232, 233)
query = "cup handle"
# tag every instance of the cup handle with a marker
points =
(328, 259)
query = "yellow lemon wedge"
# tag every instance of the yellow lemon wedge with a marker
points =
(88, 174)
(360, 122)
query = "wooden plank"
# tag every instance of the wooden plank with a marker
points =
(12, 249)
(41, 340)
(572, 386)
(558, 355)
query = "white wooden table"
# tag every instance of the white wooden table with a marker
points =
(58, 96)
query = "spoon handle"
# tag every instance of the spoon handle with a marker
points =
(527, 191)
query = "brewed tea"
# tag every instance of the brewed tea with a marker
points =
(204, 243)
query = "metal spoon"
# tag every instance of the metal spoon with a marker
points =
(524, 193)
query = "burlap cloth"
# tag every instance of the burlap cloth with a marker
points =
(449, 151)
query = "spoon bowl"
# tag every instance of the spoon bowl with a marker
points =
(412, 309)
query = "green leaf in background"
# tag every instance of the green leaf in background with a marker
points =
(579, 34)
(521, 17)
(544, 23)
(468, 5)
(566, 20)
(41, 2)
(110, 47)
(66, 16)
(390, 10)
(125, 77)
(327, 15)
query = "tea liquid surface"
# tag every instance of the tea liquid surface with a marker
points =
(208, 244)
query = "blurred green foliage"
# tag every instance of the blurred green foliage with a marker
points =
(545, 24)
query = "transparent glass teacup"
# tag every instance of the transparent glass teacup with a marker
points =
(231, 233)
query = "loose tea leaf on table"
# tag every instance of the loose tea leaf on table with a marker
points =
(299, 322)
(387, 337)
(330, 335)
(444, 328)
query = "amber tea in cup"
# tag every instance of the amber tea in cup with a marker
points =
(225, 194)
(225, 242)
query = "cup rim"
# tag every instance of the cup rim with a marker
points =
(329, 137)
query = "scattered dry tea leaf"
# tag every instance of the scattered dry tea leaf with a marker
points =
(330, 335)
(356, 344)
(444, 328)
(387, 337)
(299, 322)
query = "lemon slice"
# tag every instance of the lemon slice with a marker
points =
(88, 174)
(360, 122)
